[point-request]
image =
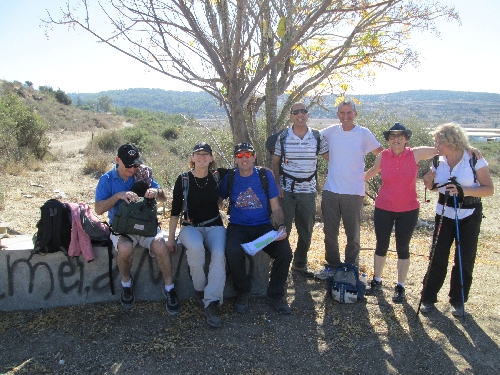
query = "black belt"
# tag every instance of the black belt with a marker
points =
(296, 179)
(202, 224)
(466, 201)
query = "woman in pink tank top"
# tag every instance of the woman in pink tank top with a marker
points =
(396, 204)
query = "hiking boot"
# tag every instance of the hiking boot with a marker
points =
(323, 274)
(199, 298)
(375, 288)
(279, 304)
(172, 305)
(399, 294)
(304, 271)
(211, 312)
(241, 303)
(127, 298)
(457, 309)
(427, 307)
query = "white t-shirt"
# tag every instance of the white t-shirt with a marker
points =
(465, 177)
(346, 166)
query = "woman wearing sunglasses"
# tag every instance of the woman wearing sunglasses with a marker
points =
(396, 204)
(195, 197)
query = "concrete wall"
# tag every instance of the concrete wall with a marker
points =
(54, 280)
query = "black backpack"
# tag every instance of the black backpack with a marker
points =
(54, 228)
(263, 180)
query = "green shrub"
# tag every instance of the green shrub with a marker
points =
(170, 133)
(22, 132)
(62, 97)
(109, 141)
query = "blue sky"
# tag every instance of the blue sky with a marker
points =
(465, 58)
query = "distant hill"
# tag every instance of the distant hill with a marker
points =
(472, 108)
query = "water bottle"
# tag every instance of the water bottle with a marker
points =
(363, 278)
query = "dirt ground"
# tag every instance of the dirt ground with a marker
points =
(321, 336)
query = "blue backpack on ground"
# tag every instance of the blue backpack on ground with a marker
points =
(344, 285)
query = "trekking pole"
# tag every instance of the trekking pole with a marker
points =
(431, 252)
(459, 256)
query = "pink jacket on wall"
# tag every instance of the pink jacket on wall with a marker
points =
(80, 241)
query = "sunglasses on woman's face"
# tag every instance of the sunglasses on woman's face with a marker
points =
(295, 112)
(132, 166)
(247, 154)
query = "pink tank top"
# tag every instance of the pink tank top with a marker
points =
(398, 192)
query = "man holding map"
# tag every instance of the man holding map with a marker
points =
(253, 198)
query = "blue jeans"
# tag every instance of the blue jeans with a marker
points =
(302, 208)
(195, 239)
(279, 251)
(348, 208)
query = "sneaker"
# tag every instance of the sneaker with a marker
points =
(304, 271)
(127, 298)
(427, 307)
(399, 294)
(279, 304)
(172, 305)
(241, 303)
(211, 312)
(323, 274)
(457, 309)
(375, 288)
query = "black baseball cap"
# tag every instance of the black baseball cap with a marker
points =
(202, 146)
(129, 154)
(243, 147)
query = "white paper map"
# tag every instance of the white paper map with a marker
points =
(258, 244)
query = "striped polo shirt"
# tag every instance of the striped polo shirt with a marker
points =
(301, 159)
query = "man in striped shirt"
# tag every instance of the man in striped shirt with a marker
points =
(294, 166)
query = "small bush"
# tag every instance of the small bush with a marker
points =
(109, 141)
(62, 97)
(97, 164)
(171, 133)
(22, 132)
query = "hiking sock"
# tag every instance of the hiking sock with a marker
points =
(168, 288)
(127, 284)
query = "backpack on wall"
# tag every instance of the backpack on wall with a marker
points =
(344, 285)
(137, 218)
(54, 228)
(97, 230)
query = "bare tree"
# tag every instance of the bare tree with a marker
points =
(246, 53)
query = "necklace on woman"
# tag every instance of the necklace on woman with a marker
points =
(196, 180)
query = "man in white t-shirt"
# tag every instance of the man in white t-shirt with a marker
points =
(344, 190)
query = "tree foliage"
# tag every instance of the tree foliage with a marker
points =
(246, 53)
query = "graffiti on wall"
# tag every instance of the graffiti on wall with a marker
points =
(68, 276)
